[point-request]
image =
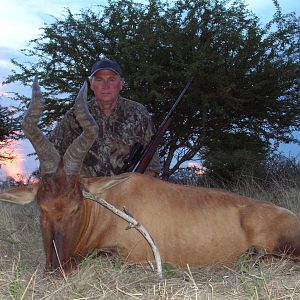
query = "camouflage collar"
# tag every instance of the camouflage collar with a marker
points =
(93, 105)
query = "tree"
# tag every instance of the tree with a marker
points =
(246, 74)
(234, 156)
(9, 131)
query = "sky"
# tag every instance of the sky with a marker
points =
(21, 20)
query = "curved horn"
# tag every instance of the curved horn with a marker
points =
(47, 154)
(77, 151)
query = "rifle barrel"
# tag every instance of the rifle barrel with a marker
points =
(179, 98)
(150, 149)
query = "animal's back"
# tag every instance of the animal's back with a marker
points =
(190, 225)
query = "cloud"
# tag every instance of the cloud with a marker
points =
(6, 54)
(19, 26)
(21, 21)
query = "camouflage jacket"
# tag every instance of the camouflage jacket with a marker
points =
(129, 122)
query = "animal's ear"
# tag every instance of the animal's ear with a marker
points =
(98, 185)
(20, 195)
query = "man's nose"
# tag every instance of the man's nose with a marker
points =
(105, 84)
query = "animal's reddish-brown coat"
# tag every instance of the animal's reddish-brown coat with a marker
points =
(195, 226)
(190, 225)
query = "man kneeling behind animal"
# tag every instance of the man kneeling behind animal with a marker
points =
(195, 226)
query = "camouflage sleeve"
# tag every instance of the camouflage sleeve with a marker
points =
(65, 132)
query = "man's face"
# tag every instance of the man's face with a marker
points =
(106, 86)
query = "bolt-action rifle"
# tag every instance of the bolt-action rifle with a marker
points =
(140, 157)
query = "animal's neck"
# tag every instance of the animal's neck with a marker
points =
(92, 219)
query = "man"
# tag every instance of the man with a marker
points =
(122, 124)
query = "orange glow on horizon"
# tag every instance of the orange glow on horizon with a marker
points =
(200, 170)
(15, 167)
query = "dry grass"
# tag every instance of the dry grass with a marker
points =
(280, 193)
(22, 262)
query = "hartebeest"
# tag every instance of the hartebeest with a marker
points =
(196, 226)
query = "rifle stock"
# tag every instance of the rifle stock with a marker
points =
(141, 165)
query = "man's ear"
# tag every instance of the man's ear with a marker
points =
(91, 83)
(20, 195)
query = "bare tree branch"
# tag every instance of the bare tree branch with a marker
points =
(133, 223)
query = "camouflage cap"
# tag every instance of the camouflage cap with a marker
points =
(106, 64)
